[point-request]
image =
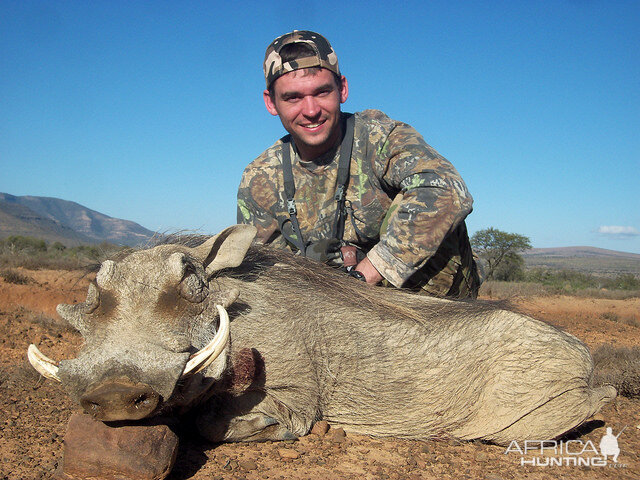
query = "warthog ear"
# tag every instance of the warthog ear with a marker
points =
(227, 249)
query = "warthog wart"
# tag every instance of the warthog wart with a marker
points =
(301, 342)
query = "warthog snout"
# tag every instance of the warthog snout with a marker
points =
(120, 400)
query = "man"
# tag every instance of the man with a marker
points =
(360, 191)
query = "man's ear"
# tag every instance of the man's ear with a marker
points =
(227, 249)
(344, 92)
(269, 103)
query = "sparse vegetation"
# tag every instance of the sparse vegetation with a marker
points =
(503, 290)
(11, 276)
(53, 326)
(611, 316)
(508, 290)
(603, 266)
(549, 281)
(35, 254)
(619, 367)
(508, 274)
(571, 281)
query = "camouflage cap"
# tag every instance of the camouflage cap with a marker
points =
(324, 57)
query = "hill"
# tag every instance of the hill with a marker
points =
(597, 261)
(70, 223)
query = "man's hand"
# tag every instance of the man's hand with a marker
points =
(369, 271)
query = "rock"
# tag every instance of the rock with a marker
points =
(337, 435)
(247, 464)
(288, 453)
(482, 457)
(320, 428)
(94, 450)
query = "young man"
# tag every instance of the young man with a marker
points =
(360, 191)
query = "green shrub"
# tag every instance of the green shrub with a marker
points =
(18, 243)
(625, 281)
(58, 247)
(569, 281)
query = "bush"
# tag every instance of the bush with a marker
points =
(11, 276)
(560, 280)
(511, 290)
(35, 254)
(57, 246)
(619, 367)
(568, 281)
(625, 281)
(18, 243)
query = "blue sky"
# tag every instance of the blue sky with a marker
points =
(150, 110)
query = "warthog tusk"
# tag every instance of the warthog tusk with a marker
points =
(203, 358)
(43, 364)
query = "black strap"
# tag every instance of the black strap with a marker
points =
(341, 186)
(290, 190)
(343, 178)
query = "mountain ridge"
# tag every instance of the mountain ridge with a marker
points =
(68, 222)
(54, 219)
(577, 251)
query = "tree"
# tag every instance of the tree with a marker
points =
(510, 269)
(495, 246)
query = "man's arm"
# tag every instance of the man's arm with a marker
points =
(256, 196)
(371, 274)
(433, 200)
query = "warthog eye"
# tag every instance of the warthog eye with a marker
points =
(192, 288)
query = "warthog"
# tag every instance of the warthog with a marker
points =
(306, 343)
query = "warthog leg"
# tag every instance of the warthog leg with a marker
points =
(253, 427)
(559, 415)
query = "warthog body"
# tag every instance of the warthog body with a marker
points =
(308, 343)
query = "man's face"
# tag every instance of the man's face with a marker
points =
(309, 108)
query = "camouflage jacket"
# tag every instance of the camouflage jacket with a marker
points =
(401, 193)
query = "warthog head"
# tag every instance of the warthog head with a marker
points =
(151, 323)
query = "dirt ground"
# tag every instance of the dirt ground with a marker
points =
(34, 412)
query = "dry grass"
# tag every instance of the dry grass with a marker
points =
(619, 367)
(512, 290)
(605, 293)
(51, 325)
(42, 261)
(11, 276)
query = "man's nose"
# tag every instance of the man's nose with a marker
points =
(310, 106)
